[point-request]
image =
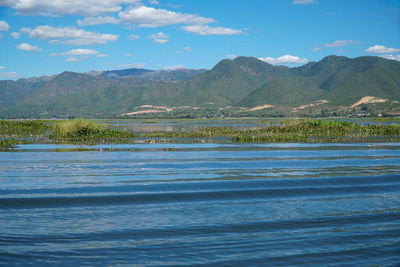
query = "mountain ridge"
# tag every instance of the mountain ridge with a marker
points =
(242, 82)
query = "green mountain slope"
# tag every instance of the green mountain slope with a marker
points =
(12, 91)
(283, 91)
(380, 78)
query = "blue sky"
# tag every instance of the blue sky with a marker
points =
(40, 37)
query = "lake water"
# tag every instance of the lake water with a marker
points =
(216, 204)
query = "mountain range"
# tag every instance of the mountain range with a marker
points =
(243, 85)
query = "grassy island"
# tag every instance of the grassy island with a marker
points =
(81, 131)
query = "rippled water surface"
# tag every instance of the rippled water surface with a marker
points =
(216, 204)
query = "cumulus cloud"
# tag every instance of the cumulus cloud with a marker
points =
(159, 38)
(69, 35)
(66, 7)
(16, 35)
(207, 30)
(97, 20)
(154, 2)
(133, 37)
(132, 65)
(4, 26)
(9, 75)
(28, 47)
(392, 57)
(304, 2)
(230, 56)
(381, 49)
(339, 43)
(286, 59)
(151, 17)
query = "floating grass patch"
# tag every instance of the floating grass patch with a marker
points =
(85, 131)
(295, 130)
(23, 128)
(319, 131)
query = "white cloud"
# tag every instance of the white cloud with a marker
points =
(159, 38)
(28, 47)
(128, 55)
(133, 37)
(151, 17)
(230, 56)
(392, 57)
(97, 20)
(286, 59)
(381, 49)
(69, 35)
(80, 52)
(339, 43)
(16, 35)
(304, 2)
(9, 75)
(132, 65)
(4, 26)
(66, 7)
(102, 55)
(207, 30)
(2, 68)
(185, 49)
(174, 67)
(73, 59)
(316, 49)
(154, 2)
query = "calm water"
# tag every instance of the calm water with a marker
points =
(216, 204)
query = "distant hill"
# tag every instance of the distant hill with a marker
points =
(243, 82)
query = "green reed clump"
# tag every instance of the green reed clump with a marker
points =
(23, 128)
(81, 130)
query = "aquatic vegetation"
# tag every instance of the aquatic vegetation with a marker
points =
(319, 131)
(23, 128)
(7, 143)
(85, 131)
(293, 130)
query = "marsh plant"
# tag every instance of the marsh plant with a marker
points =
(81, 130)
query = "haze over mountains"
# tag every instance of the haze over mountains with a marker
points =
(245, 83)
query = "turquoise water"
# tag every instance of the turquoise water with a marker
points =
(214, 204)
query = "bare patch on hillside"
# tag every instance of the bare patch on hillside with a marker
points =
(316, 103)
(369, 100)
(260, 107)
